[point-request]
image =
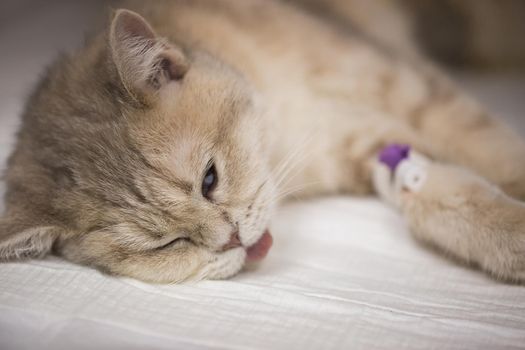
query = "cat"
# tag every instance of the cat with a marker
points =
(160, 149)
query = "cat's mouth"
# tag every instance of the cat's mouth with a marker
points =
(260, 249)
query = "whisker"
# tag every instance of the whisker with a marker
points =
(278, 196)
(293, 162)
(298, 147)
(298, 165)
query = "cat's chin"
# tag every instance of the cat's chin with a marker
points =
(260, 249)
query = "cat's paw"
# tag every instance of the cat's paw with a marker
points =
(399, 170)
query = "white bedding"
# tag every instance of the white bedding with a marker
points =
(343, 273)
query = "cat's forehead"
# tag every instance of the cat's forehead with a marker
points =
(203, 103)
(186, 133)
(206, 118)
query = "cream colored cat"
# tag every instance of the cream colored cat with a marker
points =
(159, 150)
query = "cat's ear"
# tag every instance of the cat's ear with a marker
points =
(145, 61)
(21, 241)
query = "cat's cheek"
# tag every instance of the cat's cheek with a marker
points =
(249, 237)
(224, 265)
(252, 230)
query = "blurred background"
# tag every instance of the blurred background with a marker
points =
(480, 34)
(481, 43)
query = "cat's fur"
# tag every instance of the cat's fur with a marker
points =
(117, 138)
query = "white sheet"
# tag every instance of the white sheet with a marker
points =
(343, 273)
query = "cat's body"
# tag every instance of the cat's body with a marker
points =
(239, 88)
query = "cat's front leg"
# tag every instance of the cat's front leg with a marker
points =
(458, 212)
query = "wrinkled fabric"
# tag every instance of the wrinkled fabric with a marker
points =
(343, 274)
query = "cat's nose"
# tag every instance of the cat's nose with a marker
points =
(234, 242)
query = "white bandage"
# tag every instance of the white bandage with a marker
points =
(411, 174)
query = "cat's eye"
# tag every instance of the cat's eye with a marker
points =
(173, 243)
(209, 183)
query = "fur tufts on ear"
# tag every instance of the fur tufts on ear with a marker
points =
(145, 62)
(19, 242)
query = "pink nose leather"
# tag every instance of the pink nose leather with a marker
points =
(234, 242)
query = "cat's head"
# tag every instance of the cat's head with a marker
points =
(141, 158)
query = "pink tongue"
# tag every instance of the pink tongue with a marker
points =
(259, 250)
